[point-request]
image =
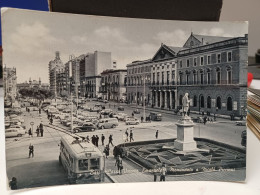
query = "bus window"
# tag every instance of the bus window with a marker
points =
(83, 164)
(94, 163)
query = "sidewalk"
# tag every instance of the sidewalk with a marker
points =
(223, 118)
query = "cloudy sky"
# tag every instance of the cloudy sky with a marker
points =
(30, 38)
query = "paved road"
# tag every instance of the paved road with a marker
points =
(44, 169)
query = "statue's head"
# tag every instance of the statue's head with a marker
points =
(186, 94)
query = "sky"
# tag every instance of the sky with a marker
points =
(30, 38)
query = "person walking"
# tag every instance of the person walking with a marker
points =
(110, 140)
(205, 120)
(31, 151)
(30, 132)
(126, 135)
(97, 139)
(87, 138)
(142, 119)
(106, 150)
(40, 111)
(13, 183)
(41, 129)
(156, 134)
(163, 173)
(102, 139)
(38, 131)
(119, 164)
(131, 135)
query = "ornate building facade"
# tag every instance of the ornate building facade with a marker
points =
(10, 83)
(113, 84)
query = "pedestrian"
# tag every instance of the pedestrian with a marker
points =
(119, 164)
(155, 173)
(93, 140)
(30, 132)
(215, 118)
(40, 111)
(13, 183)
(51, 120)
(41, 129)
(47, 113)
(106, 150)
(126, 135)
(29, 110)
(102, 139)
(205, 120)
(131, 136)
(110, 140)
(133, 114)
(163, 173)
(37, 131)
(156, 134)
(97, 139)
(142, 119)
(87, 138)
(31, 151)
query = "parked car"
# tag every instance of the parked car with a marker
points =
(241, 123)
(14, 132)
(107, 123)
(132, 121)
(120, 108)
(95, 109)
(136, 111)
(120, 116)
(156, 116)
(86, 127)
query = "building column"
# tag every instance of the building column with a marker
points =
(155, 98)
(161, 96)
(165, 100)
(170, 99)
(176, 98)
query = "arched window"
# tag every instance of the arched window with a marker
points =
(209, 102)
(229, 104)
(180, 100)
(219, 103)
(218, 76)
(202, 101)
(195, 101)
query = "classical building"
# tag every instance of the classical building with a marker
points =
(113, 84)
(213, 70)
(33, 84)
(10, 83)
(58, 76)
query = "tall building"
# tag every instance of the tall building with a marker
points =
(58, 76)
(113, 84)
(10, 83)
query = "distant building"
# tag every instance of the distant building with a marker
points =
(113, 84)
(10, 83)
(58, 76)
(33, 84)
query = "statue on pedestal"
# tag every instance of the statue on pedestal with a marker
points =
(185, 104)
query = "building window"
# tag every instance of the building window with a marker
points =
(195, 61)
(162, 77)
(168, 66)
(229, 56)
(173, 77)
(208, 77)
(195, 78)
(168, 77)
(153, 78)
(195, 101)
(188, 63)
(218, 76)
(218, 103)
(158, 67)
(229, 104)
(173, 66)
(201, 101)
(229, 75)
(201, 78)
(201, 61)
(209, 102)
(187, 79)
(181, 79)
(158, 77)
(180, 100)
(209, 60)
(218, 58)
(180, 63)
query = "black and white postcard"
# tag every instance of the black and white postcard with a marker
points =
(91, 99)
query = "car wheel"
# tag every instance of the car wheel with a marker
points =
(127, 124)
(19, 135)
(113, 126)
(137, 123)
(92, 129)
(102, 127)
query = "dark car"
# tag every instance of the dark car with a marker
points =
(120, 108)
(243, 138)
(86, 127)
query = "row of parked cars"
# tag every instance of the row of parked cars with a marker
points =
(14, 122)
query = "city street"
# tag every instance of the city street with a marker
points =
(44, 168)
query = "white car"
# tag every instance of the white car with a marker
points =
(132, 121)
(120, 116)
(14, 132)
(19, 127)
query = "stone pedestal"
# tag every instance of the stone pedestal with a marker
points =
(185, 134)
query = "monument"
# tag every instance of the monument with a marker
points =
(185, 129)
